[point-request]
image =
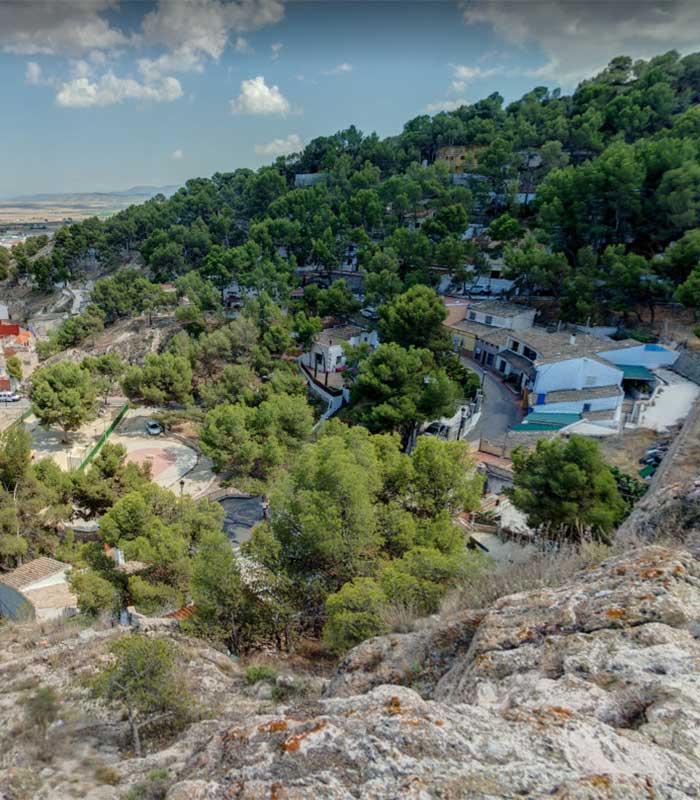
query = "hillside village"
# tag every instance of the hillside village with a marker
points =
(361, 439)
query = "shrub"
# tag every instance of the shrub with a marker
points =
(255, 674)
(105, 774)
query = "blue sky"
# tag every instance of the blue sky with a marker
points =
(99, 95)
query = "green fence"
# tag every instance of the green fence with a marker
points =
(96, 449)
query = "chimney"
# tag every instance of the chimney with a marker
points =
(572, 338)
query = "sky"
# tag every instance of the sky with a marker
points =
(100, 95)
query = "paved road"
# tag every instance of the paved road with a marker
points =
(501, 408)
(9, 412)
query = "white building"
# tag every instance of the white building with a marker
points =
(38, 590)
(576, 374)
(502, 315)
(327, 353)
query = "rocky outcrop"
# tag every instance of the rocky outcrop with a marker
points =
(670, 510)
(416, 659)
(586, 691)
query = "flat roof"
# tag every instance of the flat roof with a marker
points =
(343, 333)
(589, 393)
(499, 308)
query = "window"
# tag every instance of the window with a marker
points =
(586, 406)
(529, 353)
(541, 397)
(489, 319)
(489, 359)
(338, 360)
(472, 315)
(501, 366)
(515, 347)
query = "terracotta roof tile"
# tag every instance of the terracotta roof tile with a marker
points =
(32, 571)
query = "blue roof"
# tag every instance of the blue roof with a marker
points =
(654, 348)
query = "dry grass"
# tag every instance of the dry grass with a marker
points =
(550, 568)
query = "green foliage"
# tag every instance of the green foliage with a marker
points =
(63, 394)
(14, 367)
(164, 378)
(566, 489)
(15, 455)
(245, 440)
(414, 319)
(142, 679)
(254, 674)
(354, 614)
(41, 709)
(94, 593)
(396, 389)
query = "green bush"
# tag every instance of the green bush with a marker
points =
(254, 674)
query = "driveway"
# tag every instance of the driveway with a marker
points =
(500, 410)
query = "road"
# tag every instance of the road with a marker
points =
(501, 408)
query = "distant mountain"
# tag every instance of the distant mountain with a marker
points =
(140, 192)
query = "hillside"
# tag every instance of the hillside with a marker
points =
(585, 691)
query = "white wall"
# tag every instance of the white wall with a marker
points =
(651, 356)
(575, 373)
(576, 406)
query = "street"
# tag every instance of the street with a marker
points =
(9, 412)
(501, 408)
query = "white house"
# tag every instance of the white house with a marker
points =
(502, 315)
(38, 590)
(327, 353)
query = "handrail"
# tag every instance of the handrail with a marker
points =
(96, 449)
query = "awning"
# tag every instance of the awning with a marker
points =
(542, 421)
(635, 372)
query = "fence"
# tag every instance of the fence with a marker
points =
(96, 449)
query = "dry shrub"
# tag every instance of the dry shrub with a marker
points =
(551, 567)
(400, 617)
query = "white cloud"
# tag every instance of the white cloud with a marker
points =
(257, 97)
(177, 155)
(110, 89)
(281, 147)
(55, 28)
(242, 45)
(578, 37)
(276, 48)
(340, 69)
(445, 105)
(33, 75)
(197, 30)
(464, 75)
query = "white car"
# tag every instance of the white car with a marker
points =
(153, 428)
(9, 397)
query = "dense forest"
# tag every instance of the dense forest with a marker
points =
(592, 200)
(613, 223)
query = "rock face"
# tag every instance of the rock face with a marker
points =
(588, 691)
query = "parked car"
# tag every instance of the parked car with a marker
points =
(153, 428)
(369, 312)
(9, 397)
(652, 457)
(478, 291)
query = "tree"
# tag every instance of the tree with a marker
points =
(164, 377)
(14, 368)
(415, 318)
(354, 614)
(15, 456)
(688, 293)
(94, 593)
(306, 329)
(566, 489)
(504, 228)
(444, 478)
(41, 709)
(142, 678)
(396, 389)
(63, 394)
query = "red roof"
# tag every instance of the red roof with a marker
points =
(182, 613)
(6, 329)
